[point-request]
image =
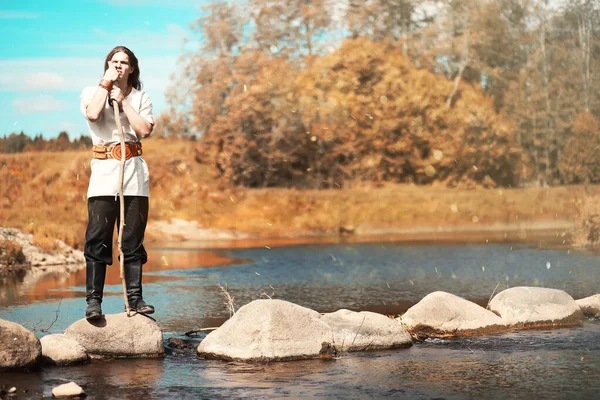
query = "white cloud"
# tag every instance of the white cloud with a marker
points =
(18, 15)
(23, 74)
(44, 81)
(73, 74)
(38, 104)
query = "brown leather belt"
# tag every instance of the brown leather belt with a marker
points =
(114, 151)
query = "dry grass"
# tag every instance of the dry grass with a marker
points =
(228, 300)
(44, 193)
(587, 233)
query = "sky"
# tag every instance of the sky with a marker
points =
(51, 49)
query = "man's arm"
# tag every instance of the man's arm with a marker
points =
(94, 109)
(141, 126)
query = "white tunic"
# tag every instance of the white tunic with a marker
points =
(105, 173)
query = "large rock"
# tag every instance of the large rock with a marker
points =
(358, 331)
(118, 335)
(590, 306)
(536, 307)
(19, 347)
(62, 350)
(268, 330)
(441, 314)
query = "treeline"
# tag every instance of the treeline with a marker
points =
(21, 142)
(318, 93)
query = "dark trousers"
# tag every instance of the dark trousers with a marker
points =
(103, 213)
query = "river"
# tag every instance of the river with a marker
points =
(182, 281)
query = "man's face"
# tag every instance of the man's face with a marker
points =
(120, 61)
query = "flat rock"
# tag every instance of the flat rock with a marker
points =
(536, 307)
(59, 349)
(117, 335)
(359, 331)
(70, 389)
(268, 330)
(441, 314)
(19, 347)
(590, 306)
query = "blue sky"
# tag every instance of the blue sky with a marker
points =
(51, 50)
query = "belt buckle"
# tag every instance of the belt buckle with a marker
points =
(115, 152)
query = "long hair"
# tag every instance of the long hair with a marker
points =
(134, 77)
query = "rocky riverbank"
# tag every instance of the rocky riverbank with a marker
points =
(19, 254)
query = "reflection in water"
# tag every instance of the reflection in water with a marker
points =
(383, 277)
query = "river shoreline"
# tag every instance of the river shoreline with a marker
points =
(555, 232)
(188, 234)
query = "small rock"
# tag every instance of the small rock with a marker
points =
(70, 389)
(328, 351)
(176, 343)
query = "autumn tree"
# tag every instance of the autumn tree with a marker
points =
(205, 78)
(390, 121)
(515, 76)
(259, 141)
(580, 160)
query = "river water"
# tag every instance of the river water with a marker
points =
(182, 280)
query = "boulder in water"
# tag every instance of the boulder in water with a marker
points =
(359, 331)
(19, 348)
(268, 330)
(536, 307)
(441, 314)
(590, 306)
(117, 335)
(59, 349)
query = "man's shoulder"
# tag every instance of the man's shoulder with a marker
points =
(140, 95)
(138, 92)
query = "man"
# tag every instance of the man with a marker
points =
(119, 87)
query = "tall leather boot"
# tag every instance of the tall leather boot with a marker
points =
(133, 283)
(95, 273)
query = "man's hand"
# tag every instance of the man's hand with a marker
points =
(111, 74)
(116, 94)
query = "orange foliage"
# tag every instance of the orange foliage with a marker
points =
(580, 158)
(361, 113)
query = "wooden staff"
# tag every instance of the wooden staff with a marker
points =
(121, 205)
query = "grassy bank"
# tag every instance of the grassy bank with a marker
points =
(44, 194)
